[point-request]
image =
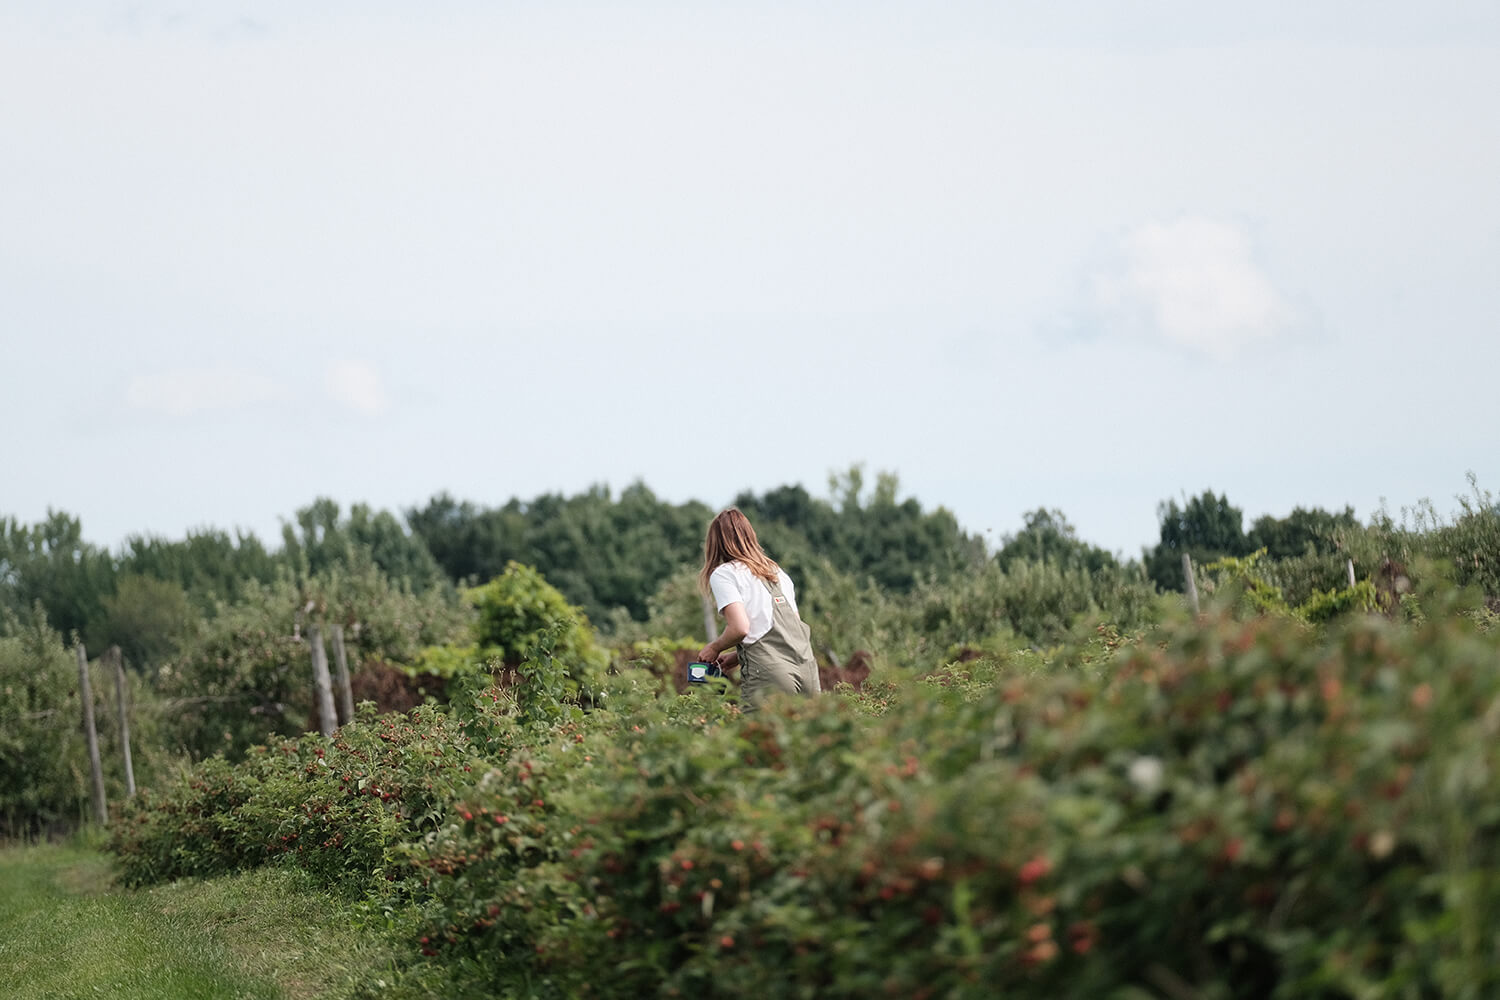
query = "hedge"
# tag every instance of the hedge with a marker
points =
(1224, 809)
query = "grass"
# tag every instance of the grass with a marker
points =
(67, 932)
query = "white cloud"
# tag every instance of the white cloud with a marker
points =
(357, 385)
(1193, 283)
(188, 391)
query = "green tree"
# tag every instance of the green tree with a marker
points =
(244, 673)
(42, 773)
(44, 765)
(1049, 538)
(469, 542)
(601, 552)
(50, 565)
(208, 564)
(145, 617)
(319, 538)
(1206, 527)
(895, 543)
(1305, 531)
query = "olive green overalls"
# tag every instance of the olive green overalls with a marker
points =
(780, 660)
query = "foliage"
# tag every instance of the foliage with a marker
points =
(146, 617)
(675, 609)
(845, 613)
(517, 611)
(43, 775)
(849, 613)
(1205, 527)
(1249, 809)
(896, 544)
(49, 565)
(1243, 582)
(1303, 531)
(210, 566)
(335, 807)
(1248, 587)
(1300, 577)
(319, 541)
(1039, 603)
(525, 631)
(1325, 605)
(45, 779)
(1469, 540)
(215, 624)
(658, 657)
(1232, 809)
(137, 600)
(1049, 538)
(1022, 603)
(245, 673)
(601, 552)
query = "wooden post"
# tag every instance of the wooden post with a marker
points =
(1192, 585)
(327, 721)
(1349, 565)
(86, 694)
(341, 677)
(120, 696)
(710, 626)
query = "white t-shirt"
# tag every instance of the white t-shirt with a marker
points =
(733, 581)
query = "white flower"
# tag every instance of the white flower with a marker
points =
(1146, 774)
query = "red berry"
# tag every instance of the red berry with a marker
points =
(1034, 869)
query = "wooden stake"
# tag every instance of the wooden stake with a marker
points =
(124, 710)
(86, 694)
(327, 721)
(341, 677)
(1192, 585)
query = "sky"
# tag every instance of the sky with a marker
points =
(1076, 254)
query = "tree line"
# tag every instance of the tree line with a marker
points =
(611, 554)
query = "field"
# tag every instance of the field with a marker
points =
(1220, 809)
(1035, 773)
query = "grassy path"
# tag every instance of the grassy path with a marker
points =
(66, 932)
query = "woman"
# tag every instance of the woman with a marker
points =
(763, 634)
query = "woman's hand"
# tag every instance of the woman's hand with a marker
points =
(729, 659)
(708, 654)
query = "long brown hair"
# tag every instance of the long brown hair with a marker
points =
(732, 539)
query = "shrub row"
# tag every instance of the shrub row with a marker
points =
(1243, 810)
(1223, 810)
(335, 807)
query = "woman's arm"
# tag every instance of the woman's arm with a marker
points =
(736, 627)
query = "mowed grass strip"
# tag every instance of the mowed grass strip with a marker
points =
(66, 931)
